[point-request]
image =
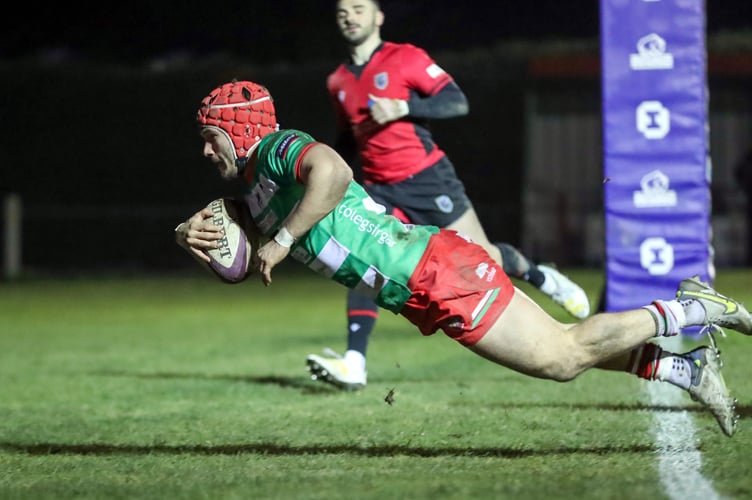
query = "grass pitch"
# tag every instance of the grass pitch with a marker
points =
(185, 388)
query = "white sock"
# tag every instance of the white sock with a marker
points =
(669, 317)
(675, 370)
(355, 360)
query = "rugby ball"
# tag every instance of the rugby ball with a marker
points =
(231, 261)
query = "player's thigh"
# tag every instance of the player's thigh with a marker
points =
(527, 339)
(469, 225)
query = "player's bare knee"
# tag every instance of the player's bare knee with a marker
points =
(564, 362)
(563, 370)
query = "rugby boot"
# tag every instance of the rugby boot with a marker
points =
(567, 294)
(709, 388)
(719, 309)
(331, 368)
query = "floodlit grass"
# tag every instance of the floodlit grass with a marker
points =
(182, 387)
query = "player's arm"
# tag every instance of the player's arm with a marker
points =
(198, 234)
(448, 102)
(326, 177)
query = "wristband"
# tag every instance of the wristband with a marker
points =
(404, 108)
(284, 238)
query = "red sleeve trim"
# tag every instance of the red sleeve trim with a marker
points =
(300, 160)
(441, 84)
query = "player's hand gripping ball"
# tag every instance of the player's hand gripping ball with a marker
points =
(232, 260)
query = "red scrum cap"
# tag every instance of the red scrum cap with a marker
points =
(244, 111)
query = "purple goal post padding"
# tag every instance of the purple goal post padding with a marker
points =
(657, 170)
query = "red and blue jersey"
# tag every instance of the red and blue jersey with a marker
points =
(394, 151)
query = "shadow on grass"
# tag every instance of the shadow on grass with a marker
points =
(100, 449)
(741, 410)
(305, 385)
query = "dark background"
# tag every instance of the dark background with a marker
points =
(299, 30)
(99, 137)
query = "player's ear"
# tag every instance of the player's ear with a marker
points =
(379, 18)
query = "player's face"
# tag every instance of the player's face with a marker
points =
(358, 20)
(218, 149)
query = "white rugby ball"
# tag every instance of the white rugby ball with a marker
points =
(231, 261)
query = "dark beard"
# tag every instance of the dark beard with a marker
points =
(354, 42)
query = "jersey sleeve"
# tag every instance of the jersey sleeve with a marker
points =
(421, 72)
(285, 154)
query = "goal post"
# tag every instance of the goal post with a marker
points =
(656, 162)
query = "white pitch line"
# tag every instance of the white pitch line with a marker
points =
(679, 460)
